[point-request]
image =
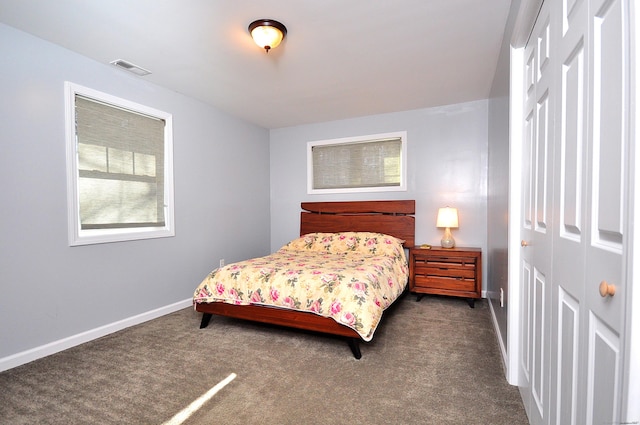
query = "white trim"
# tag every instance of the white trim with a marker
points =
(85, 237)
(32, 354)
(631, 367)
(503, 348)
(515, 211)
(526, 18)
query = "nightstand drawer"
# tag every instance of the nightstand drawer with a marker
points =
(448, 263)
(445, 283)
(455, 273)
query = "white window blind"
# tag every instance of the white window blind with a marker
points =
(120, 167)
(373, 163)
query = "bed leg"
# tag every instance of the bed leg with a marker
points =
(205, 320)
(354, 344)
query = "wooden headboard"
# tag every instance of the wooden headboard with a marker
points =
(395, 218)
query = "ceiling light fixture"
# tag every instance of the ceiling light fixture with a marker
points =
(267, 33)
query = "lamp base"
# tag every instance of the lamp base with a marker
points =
(447, 240)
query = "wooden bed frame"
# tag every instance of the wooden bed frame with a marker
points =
(394, 218)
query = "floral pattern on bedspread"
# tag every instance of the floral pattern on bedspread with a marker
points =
(350, 277)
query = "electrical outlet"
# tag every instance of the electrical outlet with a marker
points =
(222, 262)
(501, 297)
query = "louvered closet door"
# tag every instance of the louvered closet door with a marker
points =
(536, 222)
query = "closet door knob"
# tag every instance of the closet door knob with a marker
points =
(524, 243)
(607, 289)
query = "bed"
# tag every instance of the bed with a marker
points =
(346, 268)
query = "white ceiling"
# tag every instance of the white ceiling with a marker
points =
(340, 59)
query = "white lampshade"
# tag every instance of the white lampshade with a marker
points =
(267, 33)
(447, 217)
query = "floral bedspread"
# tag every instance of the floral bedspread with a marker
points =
(351, 277)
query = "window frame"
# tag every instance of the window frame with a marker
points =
(78, 236)
(402, 135)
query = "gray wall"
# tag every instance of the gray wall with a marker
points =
(447, 160)
(498, 185)
(50, 291)
(234, 183)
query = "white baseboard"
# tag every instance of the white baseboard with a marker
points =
(503, 349)
(32, 354)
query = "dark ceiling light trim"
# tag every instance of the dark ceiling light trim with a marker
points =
(138, 70)
(267, 33)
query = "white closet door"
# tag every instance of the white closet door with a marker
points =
(607, 208)
(590, 199)
(574, 214)
(571, 193)
(536, 223)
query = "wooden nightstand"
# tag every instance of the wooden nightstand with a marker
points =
(446, 271)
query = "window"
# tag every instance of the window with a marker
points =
(119, 169)
(375, 163)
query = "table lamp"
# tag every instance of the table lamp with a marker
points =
(447, 218)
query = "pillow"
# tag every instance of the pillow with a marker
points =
(345, 242)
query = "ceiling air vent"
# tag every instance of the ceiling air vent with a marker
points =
(139, 71)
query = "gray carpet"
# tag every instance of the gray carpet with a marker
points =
(432, 362)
